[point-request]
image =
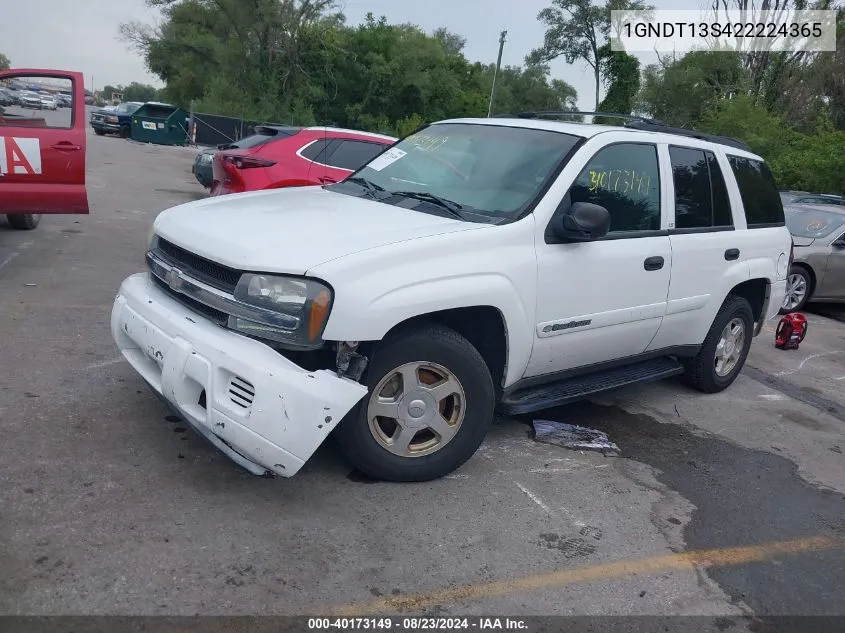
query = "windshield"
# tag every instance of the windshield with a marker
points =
(812, 223)
(486, 170)
(126, 108)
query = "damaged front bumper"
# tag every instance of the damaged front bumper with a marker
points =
(263, 411)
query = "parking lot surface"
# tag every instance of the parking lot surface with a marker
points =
(718, 505)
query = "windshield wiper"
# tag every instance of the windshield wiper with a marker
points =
(370, 186)
(452, 207)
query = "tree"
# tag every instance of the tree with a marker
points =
(5, 64)
(622, 77)
(576, 30)
(683, 89)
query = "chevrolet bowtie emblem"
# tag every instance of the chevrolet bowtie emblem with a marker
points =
(174, 279)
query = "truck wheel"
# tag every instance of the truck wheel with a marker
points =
(24, 221)
(99, 132)
(725, 348)
(798, 290)
(430, 403)
(124, 131)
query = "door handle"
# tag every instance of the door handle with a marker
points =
(653, 263)
(326, 179)
(732, 254)
(65, 146)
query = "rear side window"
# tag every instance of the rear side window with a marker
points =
(313, 151)
(701, 198)
(763, 206)
(623, 178)
(352, 155)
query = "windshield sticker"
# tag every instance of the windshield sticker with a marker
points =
(621, 180)
(20, 156)
(386, 159)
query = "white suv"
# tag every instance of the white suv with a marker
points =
(511, 263)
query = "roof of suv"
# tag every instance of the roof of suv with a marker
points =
(589, 130)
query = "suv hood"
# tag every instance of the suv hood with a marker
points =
(293, 230)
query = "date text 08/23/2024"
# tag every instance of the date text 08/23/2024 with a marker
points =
(417, 624)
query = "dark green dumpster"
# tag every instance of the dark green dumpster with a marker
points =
(160, 123)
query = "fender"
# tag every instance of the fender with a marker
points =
(383, 287)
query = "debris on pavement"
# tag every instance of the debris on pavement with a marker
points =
(571, 436)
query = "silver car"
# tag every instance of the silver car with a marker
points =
(818, 271)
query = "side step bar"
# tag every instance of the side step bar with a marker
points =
(546, 396)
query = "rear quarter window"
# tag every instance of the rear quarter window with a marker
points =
(760, 196)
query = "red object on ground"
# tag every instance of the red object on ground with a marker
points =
(791, 331)
(295, 157)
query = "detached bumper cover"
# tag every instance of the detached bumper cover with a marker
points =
(260, 409)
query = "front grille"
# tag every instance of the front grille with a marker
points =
(220, 318)
(207, 271)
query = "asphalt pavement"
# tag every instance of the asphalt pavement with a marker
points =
(719, 505)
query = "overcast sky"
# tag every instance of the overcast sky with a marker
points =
(82, 34)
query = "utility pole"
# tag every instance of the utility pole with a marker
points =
(502, 37)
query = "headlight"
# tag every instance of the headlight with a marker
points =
(305, 302)
(111, 119)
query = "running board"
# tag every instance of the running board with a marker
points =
(545, 396)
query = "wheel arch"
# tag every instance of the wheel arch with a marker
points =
(484, 326)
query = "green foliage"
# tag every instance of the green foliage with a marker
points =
(622, 74)
(809, 161)
(293, 61)
(135, 91)
(681, 91)
(5, 64)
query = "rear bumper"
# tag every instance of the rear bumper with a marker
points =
(260, 409)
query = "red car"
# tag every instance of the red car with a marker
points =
(295, 157)
(42, 153)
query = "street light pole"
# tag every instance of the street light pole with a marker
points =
(496, 72)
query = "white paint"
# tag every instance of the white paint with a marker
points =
(534, 498)
(104, 363)
(800, 366)
(30, 148)
(9, 258)
(771, 396)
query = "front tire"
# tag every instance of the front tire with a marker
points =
(430, 404)
(124, 131)
(24, 221)
(725, 348)
(799, 288)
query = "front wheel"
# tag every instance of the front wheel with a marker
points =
(24, 221)
(430, 403)
(124, 131)
(798, 290)
(725, 348)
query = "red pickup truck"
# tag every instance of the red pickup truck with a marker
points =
(42, 152)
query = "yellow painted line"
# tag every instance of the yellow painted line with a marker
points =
(607, 571)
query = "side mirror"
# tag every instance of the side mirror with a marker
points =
(584, 222)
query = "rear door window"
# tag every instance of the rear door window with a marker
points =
(701, 198)
(352, 155)
(315, 151)
(763, 206)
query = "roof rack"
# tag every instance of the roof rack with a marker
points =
(635, 122)
(564, 113)
(656, 126)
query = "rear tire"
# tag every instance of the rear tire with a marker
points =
(725, 348)
(24, 221)
(429, 375)
(799, 289)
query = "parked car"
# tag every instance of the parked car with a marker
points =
(818, 272)
(115, 119)
(821, 198)
(48, 174)
(203, 162)
(30, 99)
(7, 97)
(49, 102)
(65, 100)
(294, 157)
(510, 264)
